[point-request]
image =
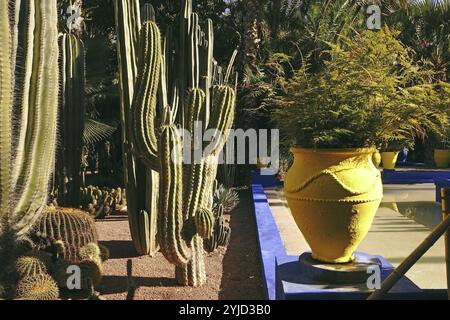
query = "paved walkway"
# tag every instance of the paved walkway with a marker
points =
(404, 220)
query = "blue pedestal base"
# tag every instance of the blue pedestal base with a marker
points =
(291, 284)
(349, 273)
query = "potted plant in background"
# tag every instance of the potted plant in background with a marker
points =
(442, 154)
(389, 159)
(368, 92)
(441, 134)
(391, 150)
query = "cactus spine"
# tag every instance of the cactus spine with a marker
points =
(141, 183)
(37, 287)
(72, 109)
(28, 116)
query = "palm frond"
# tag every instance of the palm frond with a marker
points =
(95, 131)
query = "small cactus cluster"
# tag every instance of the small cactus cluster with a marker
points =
(102, 202)
(91, 272)
(221, 233)
(35, 282)
(70, 238)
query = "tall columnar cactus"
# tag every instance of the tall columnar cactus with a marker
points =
(141, 182)
(28, 115)
(72, 79)
(183, 72)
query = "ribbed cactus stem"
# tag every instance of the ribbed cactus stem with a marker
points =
(145, 99)
(193, 179)
(171, 222)
(72, 109)
(28, 118)
(193, 274)
(141, 183)
(6, 98)
(222, 115)
(39, 123)
(207, 64)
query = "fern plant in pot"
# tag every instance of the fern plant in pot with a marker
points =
(442, 150)
(442, 154)
(370, 92)
(390, 151)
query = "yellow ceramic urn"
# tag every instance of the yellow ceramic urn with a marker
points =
(334, 196)
(442, 158)
(389, 160)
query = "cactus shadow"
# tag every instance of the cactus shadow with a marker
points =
(242, 278)
(115, 217)
(120, 249)
(119, 284)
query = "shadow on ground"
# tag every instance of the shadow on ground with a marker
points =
(242, 278)
(232, 274)
(120, 249)
(118, 284)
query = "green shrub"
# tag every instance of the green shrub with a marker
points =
(370, 93)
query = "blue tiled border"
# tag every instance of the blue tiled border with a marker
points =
(270, 243)
(413, 177)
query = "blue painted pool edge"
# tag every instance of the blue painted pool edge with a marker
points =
(413, 177)
(269, 240)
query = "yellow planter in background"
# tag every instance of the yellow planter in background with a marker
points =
(442, 158)
(389, 160)
(333, 196)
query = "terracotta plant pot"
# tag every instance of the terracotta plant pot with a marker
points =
(334, 196)
(442, 158)
(389, 160)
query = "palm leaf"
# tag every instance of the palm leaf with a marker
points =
(95, 131)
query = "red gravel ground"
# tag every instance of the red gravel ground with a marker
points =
(233, 273)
